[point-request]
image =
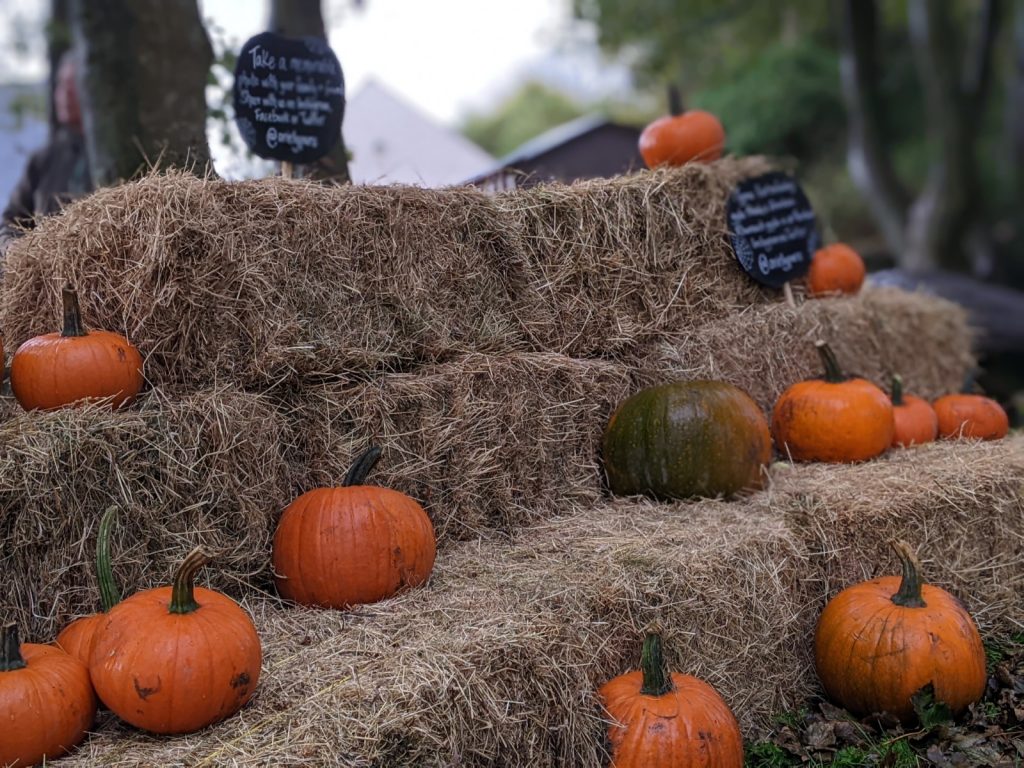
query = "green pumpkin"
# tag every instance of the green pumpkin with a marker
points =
(686, 439)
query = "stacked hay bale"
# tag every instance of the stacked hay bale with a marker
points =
(483, 341)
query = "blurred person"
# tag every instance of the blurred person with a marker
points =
(56, 173)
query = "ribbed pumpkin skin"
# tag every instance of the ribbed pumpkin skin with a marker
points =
(873, 655)
(848, 421)
(45, 708)
(915, 422)
(694, 136)
(339, 547)
(836, 268)
(52, 371)
(175, 673)
(974, 416)
(77, 637)
(686, 439)
(688, 727)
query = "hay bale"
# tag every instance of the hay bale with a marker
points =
(961, 503)
(257, 281)
(205, 469)
(495, 662)
(623, 261)
(486, 443)
(766, 348)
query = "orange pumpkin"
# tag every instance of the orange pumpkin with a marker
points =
(836, 268)
(914, 419)
(669, 720)
(339, 547)
(972, 416)
(176, 659)
(46, 701)
(75, 365)
(76, 638)
(694, 135)
(837, 419)
(880, 642)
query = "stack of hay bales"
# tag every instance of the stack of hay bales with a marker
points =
(483, 341)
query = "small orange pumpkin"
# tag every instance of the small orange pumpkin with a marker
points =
(837, 419)
(669, 720)
(914, 419)
(176, 659)
(971, 415)
(836, 268)
(880, 642)
(75, 365)
(339, 547)
(694, 135)
(46, 701)
(77, 637)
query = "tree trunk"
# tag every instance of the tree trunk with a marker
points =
(1015, 110)
(941, 217)
(58, 42)
(144, 76)
(303, 18)
(866, 157)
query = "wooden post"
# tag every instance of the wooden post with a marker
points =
(287, 169)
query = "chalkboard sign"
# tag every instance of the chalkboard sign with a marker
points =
(289, 97)
(772, 227)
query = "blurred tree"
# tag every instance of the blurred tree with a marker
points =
(943, 226)
(528, 112)
(58, 42)
(144, 70)
(304, 18)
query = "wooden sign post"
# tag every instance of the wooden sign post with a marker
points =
(289, 98)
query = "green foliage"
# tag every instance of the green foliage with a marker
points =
(528, 112)
(765, 754)
(788, 104)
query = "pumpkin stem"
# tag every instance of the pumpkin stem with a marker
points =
(183, 593)
(909, 594)
(833, 373)
(72, 314)
(675, 100)
(362, 466)
(897, 389)
(109, 594)
(657, 680)
(10, 649)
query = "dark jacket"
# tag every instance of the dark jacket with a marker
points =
(56, 174)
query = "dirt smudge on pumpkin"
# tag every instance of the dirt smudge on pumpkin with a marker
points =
(145, 693)
(242, 679)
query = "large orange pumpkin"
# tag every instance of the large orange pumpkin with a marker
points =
(972, 416)
(176, 659)
(46, 701)
(75, 365)
(694, 135)
(836, 268)
(668, 720)
(339, 547)
(914, 419)
(76, 638)
(880, 642)
(835, 419)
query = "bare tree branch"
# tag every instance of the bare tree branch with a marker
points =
(867, 158)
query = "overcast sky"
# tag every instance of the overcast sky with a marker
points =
(445, 56)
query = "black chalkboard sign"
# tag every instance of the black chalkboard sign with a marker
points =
(772, 227)
(289, 97)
